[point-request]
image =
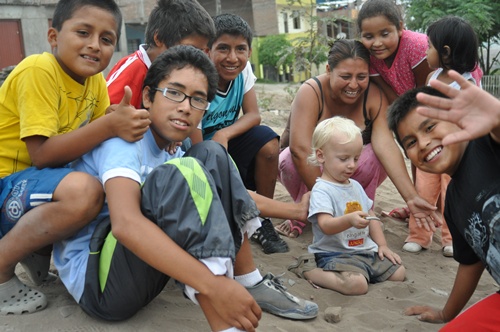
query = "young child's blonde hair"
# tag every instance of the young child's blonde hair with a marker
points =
(339, 127)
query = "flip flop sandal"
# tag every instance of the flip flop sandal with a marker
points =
(278, 229)
(294, 226)
(304, 263)
(401, 214)
(16, 298)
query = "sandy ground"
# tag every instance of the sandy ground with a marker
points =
(429, 279)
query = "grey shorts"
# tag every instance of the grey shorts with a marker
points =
(199, 201)
(368, 263)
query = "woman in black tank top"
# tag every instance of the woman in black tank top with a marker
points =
(344, 90)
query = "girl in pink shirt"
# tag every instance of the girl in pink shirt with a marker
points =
(397, 56)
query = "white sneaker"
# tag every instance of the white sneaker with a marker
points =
(412, 247)
(448, 251)
(271, 296)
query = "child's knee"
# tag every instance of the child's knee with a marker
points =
(354, 284)
(399, 275)
(81, 190)
(211, 147)
(359, 285)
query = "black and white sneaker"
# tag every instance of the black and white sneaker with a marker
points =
(269, 239)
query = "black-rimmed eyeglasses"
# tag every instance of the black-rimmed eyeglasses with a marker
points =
(179, 96)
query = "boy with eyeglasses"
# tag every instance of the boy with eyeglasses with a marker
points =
(186, 221)
(170, 23)
(123, 259)
(179, 96)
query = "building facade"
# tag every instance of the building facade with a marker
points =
(24, 24)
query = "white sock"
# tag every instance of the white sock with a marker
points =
(249, 279)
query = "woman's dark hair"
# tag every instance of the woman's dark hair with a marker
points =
(343, 49)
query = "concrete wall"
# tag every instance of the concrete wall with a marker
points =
(35, 24)
(265, 17)
(136, 11)
(242, 8)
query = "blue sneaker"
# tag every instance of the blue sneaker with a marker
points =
(272, 297)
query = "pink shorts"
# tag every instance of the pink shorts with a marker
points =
(370, 173)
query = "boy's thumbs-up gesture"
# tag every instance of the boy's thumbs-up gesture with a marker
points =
(128, 122)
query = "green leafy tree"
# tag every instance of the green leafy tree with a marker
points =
(273, 51)
(483, 15)
(311, 48)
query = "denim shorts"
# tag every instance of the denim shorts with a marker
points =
(368, 263)
(24, 190)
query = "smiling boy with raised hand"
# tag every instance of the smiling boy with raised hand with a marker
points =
(459, 136)
(186, 222)
(122, 260)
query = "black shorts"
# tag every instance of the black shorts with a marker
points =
(244, 148)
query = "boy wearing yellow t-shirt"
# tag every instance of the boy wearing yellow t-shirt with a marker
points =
(50, 114)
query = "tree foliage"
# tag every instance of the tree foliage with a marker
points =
(311, 48)
(483, 15)
(273, 51)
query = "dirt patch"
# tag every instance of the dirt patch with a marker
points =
(275, 96)
(274, 103)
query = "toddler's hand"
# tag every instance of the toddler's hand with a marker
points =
(357, 219)
(384, 251)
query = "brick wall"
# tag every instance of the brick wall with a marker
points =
(265, 17)
(260, 14)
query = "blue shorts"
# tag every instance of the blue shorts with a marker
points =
(22, 191)
(244, 148)
(366, 262)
